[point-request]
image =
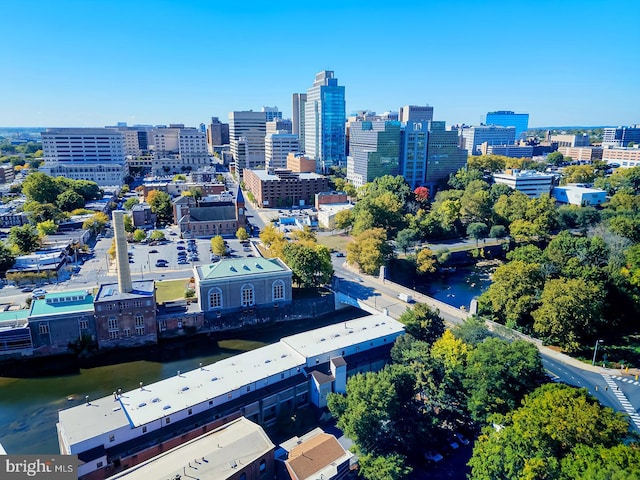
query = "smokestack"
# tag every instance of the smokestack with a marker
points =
(122, 254)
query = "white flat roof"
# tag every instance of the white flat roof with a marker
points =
(579, 189)
(140, 406)
(341, 335)
(216, 455)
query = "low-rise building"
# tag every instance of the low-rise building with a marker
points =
(125, 319)
(177, 188)
(533, 184)
(624, 157)
(15, 334)
(142, 216)
(579, 195)
(13, 219)
(570, 141)
(315, 455)
(61, 318)
(297, 162)
(284, 188)
(512, 151)
(582, 154)
(234, 285)
(238, 450)
(211, 216)
(7, 174)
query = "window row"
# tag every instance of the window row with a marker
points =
(247, 295)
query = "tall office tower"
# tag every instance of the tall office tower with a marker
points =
(217, 133)
(415, 113)
(621, 136)
(282, 126)
(375, 151)
(136, 138)
(246, 135)
(272, 113)
(297, 127)
(96, 154)
(277, 146)
(413, 153)
(444, 156)
(506, 118)
(471, 138)
(325, 117)
(186, 146)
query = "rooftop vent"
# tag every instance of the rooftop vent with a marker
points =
(184, 389)
(143, 404)
(166, 407)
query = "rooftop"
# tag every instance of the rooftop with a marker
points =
(110, 292)
(13, 319)
(316, 454)
(240, 267)
(217, 455)
(265, 175)
(579, 188)
(75, 301)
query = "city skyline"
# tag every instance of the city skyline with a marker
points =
(71, 64)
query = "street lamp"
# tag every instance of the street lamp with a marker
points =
(595, 351)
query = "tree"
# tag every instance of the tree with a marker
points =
(48, 227)
(40, 188)
(24, 238)
(69, 200)
(139, 235)
(129, 227)
(472, 331)
(527, 254)
(475, 202)
(620, 462)
(578, 174)
(179, 178)
(383, 467)
(422, 322)
(497, 231)
(369, 251)
(553, 422)
(514, 293)
(422, 195)
(425, 261)
(271, 235)
(477, 230)
(217, 246)
(7, 259)
(304, 235)
(311, 265)
(463, 177)
(242, 234)
(487, 163)
(130, 202)
(381, 414)
(39, 212)
(157, 235)
(499, 374)
(555, 158)
(160, 203)
(344, 219)
(571, 310)
(96, 223)
(406, 238)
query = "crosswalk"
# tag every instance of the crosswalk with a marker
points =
(622, 398)
(628, 380)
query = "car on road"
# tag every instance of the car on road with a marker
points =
(28, 289)
(153, 251)
(173, 234)
(38, 293)
(180, 247)
(339, 254)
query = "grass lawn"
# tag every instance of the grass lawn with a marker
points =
(168, 290)
(335, 242)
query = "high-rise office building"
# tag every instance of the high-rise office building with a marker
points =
(413, 153)
(325, 116)
(374, 148)
(299, 101)
(471, 138)
(415, 113)
(621, 136)
(506, 118)
(277, 147)
(272, 113)
(217, 133)
(444, 155)
(96, 154)
(246, 135)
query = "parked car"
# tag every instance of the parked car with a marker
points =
(180, 241)
(38, 293)
(153, 251)
(180, 247)
(182, 261)
(461, 438)
(27, 289)
(434, 457)
(339, 254)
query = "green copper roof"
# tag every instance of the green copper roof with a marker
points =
(240, 267)
(11, 316)
(63, 302)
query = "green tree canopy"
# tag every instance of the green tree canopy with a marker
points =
(130, 202)
(7, 258)
(96, 223)
(40, 188)
(48, 227)
(422, 322)
(160, 203)
(69, 200)
(217, 246)
(369, 250)
(242, 234)
(24, 238)
(139, 235)
(157, 235)
(311, 265)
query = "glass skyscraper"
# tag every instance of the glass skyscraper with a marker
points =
(325, 117)
(505, 118)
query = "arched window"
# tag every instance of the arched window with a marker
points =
(215, 298)
(278, 290)
(247, 297)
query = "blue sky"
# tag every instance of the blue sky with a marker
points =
(88, 63)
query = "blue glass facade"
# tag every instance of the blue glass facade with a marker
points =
(325, 118)
(504, 118)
